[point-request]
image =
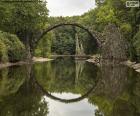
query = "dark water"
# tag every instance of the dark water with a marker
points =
(68, 87)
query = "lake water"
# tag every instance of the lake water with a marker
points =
(69, 87)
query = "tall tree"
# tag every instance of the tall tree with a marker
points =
(26, 19)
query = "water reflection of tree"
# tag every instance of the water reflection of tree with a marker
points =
(11, 80)
(66, 75)
(27, 100)
(114, 80)
(114, 94)
(117, 93)
(79, 65)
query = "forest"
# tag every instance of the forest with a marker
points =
(21, 23)
(92, 62)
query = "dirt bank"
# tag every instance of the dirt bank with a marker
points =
(35, 59)
(8, 64)
(41, 59)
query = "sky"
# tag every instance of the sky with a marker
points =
(69, 7)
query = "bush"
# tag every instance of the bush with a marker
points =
(15, 49)
(125, 27)
(3, 52)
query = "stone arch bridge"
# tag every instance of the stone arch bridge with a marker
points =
(92, 34)
(111, 44)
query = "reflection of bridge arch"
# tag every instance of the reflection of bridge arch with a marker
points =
(92, 35)
(66, 100)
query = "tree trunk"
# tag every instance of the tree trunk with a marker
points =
(28, 49)
(29, 55)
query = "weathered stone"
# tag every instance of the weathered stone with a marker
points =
(115, 46)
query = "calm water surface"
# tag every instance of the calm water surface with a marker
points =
(69, 87)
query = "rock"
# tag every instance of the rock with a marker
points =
(138, 70)
(40, 59)
(95, 59)
(115, 46)
(136, 66)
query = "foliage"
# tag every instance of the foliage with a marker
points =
(28, 20)
(3, 52)
(114, 11)
(126, 28)
(64, 38)
(25, 19)
(63, 42)
(106, 15)
(44, 47)
(11, 47)
(22, 17)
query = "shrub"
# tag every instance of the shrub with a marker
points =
(126, 29)
(15, 49)
(3, 52)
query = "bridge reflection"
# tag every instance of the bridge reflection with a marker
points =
(48, 94)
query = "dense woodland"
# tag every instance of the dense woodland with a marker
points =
(117, 87)
(21, 23)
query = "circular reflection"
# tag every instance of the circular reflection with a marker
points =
(48, 94)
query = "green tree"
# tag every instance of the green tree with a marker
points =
(24, 19)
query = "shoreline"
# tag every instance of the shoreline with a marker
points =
(35, 59)
(94, 60)
(41, 59)
(9, 64)
(133, 65)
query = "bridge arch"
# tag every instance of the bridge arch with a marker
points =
(91, 34)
